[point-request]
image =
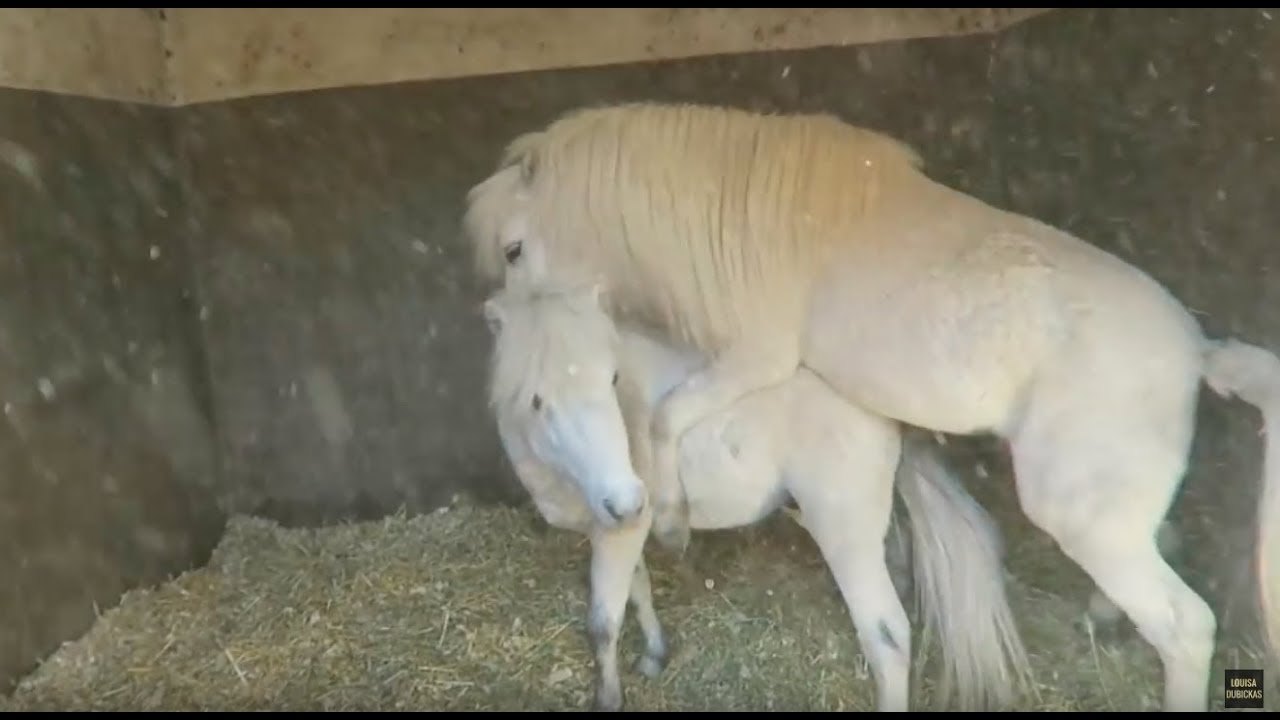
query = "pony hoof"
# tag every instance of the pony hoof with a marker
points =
(607, 701)
(1105, 632)
(1104, 623)
(651, 666)
(671, 530)
(674, 538)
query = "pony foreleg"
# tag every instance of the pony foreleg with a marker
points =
(614, 557)
(742, 369)
(654, 659)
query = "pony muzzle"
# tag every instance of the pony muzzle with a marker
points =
(625, 506)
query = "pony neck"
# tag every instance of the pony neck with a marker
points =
(656, 366)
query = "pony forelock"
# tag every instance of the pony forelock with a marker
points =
(542, 331)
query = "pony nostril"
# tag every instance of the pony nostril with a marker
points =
(513, 251)
(613, 511)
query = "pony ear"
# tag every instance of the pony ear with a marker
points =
(596, 291)
(528, 168)
(493, 315)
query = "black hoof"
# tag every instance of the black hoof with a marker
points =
(651, 666)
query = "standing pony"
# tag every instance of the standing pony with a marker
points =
(563, 383)
(772, 241)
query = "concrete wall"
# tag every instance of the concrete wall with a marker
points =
(107, 460)
(314, 327)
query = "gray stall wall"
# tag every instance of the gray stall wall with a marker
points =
(313, 323)
(107, 475)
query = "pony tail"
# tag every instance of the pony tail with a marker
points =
(1234, 368)
(957, 552)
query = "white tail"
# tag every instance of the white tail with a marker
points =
(1252, 374)
(959, 581)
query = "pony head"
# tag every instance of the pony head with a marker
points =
(499, 223)
(551, 385)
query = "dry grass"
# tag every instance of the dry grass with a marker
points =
(483, 608)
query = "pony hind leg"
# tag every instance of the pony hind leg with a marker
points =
(1166, 611)
(1107, 621)
(742, 369)
(1103, 508)
(845, 505)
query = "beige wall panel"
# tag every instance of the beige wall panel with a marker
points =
(223, 53)
(185, 55)
(114, 53)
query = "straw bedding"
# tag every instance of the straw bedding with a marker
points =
(477, 608)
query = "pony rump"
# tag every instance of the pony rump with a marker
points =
(627, 187)
(537, 333)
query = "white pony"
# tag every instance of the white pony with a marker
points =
(769, 242)
(563, 381)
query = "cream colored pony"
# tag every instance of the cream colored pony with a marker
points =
(774, 241)
(562, 382)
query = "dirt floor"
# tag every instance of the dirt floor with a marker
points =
(484, 609)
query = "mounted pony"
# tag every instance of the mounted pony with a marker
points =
(563, 379)
(769, 242)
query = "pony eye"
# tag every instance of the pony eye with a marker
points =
(615, 378)
(513, 251)
(537, 402)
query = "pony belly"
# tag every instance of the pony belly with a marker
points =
(729, 474)
(949, 350)
(939, 395)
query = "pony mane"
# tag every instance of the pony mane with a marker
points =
(543, 331)
(704, 219)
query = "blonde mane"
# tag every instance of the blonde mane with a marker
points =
(702, 219)
(542, 333)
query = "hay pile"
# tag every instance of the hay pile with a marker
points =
(483, 609)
